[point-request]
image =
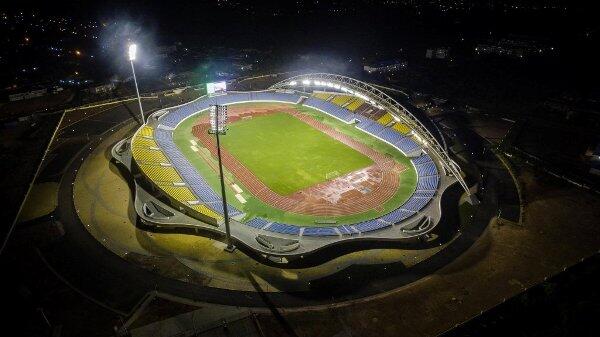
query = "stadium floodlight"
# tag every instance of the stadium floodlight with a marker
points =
(292, 83)
(132, 51)
(306, 82)
(218, 123)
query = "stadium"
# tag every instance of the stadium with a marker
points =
(307, 168)
(312, 162)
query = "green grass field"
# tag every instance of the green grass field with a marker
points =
(205, 164)
(289, 155)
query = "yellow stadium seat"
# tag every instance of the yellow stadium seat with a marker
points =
(142, 154)
(322, 95)
(146, 131)
(143, 142)
(206, 211)
(401, 127)
(179, 193)
(385, 119)
(355, 104)
(341, 99)
(161, 173)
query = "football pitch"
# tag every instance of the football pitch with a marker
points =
(289, 155)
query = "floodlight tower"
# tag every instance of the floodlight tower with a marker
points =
(218, 122)
(132, 53)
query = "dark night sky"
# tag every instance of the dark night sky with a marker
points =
(365, 26)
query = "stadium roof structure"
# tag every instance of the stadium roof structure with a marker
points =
(380, 99)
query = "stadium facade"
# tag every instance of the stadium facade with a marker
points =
(171, 192)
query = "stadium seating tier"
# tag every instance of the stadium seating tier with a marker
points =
(346, 108)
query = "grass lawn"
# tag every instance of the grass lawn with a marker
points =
(287, 154)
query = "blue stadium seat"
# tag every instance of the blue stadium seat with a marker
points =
(428, 183)
(397, 215)
(319, 231)
(407, 145)
(371, 225)
(283, 228)
(390, 135)
(427, 169)
(421, 159)
(257, 223)
(330, 109)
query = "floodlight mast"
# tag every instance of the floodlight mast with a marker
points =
(132, 54)
(218, 128)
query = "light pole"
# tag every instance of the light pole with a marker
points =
(218, 127)
(132, 52)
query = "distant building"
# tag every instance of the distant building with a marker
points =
(385, 66)
(182, 78)
(102, 89)
(515, 48)
(27, 95)
(595, 160)
(437, 53)
(243, 66)
(437, 101)
(422, 102)
(165, 51)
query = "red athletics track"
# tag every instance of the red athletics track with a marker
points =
(355, 192)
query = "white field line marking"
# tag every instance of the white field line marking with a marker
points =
(236, 188)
